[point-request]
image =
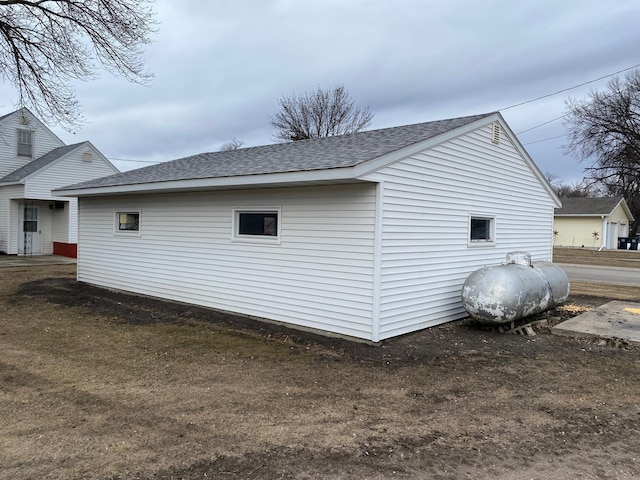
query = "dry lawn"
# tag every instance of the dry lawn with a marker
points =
(607, 258)
(100, 385)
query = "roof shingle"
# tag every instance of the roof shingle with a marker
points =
(38, 163)
(588, 206)
(339, 151)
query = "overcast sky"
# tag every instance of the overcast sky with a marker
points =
(220, 67)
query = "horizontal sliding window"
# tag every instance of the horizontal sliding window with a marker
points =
(257, 225)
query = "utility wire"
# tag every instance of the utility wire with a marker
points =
(570, 88)
(542, 124)
(545, 139)
(556, 93)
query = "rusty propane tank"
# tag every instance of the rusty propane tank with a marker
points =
(515, 290)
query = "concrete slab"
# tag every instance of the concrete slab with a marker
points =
(21, 261)
(616, 320)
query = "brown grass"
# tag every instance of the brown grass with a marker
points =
(607, 258)
(101, 385)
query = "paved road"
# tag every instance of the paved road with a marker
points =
(597, 274)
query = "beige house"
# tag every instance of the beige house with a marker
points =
(591, 222)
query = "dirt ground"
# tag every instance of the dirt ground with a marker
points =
(101, 385)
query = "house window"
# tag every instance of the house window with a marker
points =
(30, 224)
(259, 225)
(127, 221)
(481, 230)
(25, 143)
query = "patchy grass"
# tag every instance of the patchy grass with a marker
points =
(101, 385)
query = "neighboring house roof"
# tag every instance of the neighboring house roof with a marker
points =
(304, 155)
(38, 163)
(590, 207)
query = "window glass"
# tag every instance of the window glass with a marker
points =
(251, 223)
(481, 230)
(30, 223)
(25, 143)
(128, 221)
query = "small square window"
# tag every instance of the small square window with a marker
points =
(258, 225)
(481, 230)
(25, 143)
(127, 221)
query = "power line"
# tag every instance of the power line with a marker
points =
(546, 139)
(542, 124)
(562, 91)
(570, 88)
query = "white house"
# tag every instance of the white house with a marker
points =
(33, 162)
(368, 235)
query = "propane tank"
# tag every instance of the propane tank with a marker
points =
(515, 290)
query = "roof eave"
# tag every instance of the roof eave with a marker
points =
(335, 175)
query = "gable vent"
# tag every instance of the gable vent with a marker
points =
(495, 133)
(86, 157)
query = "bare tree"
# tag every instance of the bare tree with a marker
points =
(605, 129)
(576, 189)
(233, 144)
(321, 113)
(45, 44)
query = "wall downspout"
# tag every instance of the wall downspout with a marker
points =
(604, 233)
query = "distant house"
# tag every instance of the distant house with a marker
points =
(368, 235)
(591, 222)
(33, 162)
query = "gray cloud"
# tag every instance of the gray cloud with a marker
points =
(221, 66)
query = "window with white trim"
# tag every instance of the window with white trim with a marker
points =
(25, 143)
(257, 224)
(127, 222)
(482, 230)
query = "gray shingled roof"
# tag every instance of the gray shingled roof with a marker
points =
(38, 163)
(305, 155)
(588, 206)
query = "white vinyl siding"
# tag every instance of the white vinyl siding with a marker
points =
(61, 224)
(371, 260)
(428, 200)
(319, 276)
(43, 141)
(66, 171)
(25, 143)
(8, 229)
